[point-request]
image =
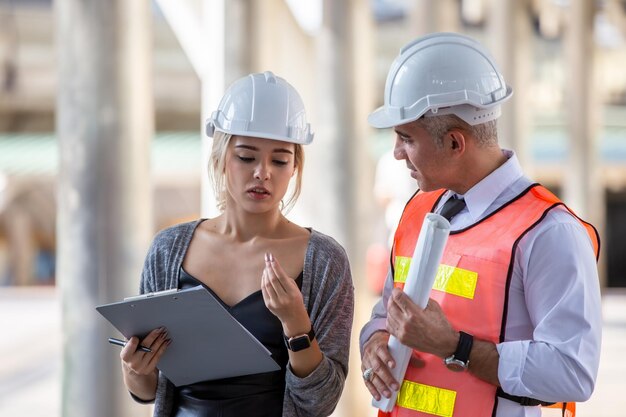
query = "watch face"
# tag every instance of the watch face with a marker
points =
(455, 365)
(299, 343)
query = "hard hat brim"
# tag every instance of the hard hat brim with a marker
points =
(469, 111)
(263, 135)
(380, 119)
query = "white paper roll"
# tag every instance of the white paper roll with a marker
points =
(420, 278)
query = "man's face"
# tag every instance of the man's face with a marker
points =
(426, 161)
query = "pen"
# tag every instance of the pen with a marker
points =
(122, 343)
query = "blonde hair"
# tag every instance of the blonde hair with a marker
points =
(217, 165)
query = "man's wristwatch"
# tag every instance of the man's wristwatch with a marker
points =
(300, 342)
(459, 360)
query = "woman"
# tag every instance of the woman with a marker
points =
(289, 286)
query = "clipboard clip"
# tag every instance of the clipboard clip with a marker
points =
(151, 294)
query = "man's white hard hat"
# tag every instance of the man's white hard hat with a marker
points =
(262, 105)
(442, 73)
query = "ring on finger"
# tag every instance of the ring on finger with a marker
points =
(368, 374)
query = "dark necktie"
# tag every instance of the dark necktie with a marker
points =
(452, 207)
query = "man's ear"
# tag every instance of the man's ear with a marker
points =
(455, 141)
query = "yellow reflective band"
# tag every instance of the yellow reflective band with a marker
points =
(401, 268)
(426, 399)
(457, 281)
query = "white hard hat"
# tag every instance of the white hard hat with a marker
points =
(264, 106)
(442, 73)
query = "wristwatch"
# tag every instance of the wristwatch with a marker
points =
(300, 342)
(459, 360)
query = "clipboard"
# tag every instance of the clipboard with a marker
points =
(207, 341)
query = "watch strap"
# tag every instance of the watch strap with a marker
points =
(310, 335)
(464, 347)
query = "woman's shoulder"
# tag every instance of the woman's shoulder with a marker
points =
(325, 244)
(327, 263)
(176, 234)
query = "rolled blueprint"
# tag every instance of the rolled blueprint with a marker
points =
(420, 278)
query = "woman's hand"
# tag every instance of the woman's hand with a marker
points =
(139, 368)
(283, 298)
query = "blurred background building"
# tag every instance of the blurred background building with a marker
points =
(567, 120)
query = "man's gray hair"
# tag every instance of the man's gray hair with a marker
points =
(486, 134)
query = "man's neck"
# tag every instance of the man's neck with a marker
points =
(477, 167)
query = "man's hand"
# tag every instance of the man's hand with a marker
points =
(425, 330)
(377, 357)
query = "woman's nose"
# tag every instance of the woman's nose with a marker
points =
(262, 172)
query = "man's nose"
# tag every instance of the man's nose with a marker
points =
(398, 151)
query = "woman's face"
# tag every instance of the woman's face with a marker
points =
(258, 172)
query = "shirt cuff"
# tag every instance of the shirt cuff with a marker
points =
(373, 326)
(511, 367)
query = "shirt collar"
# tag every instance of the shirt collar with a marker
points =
(484, 193)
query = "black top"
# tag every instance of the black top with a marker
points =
(258, 395)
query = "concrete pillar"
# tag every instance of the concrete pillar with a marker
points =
(356, 400)
(334, 137)
(238, 58)
(428, 16)
(22, 246)
(8, 49)
(230, 58)
(510, 42)
(104, 125)
(583, 187)
(363, 102)
(212, 78)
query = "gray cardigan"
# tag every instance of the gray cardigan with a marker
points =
(328, 296)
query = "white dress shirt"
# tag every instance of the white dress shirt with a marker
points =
(553, 334)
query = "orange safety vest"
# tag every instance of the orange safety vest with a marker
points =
(471, 286)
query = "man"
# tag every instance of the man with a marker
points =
(514, 318)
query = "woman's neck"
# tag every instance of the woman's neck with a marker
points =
(244, 226)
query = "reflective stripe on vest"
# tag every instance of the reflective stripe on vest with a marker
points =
(457, 281)
(471, 287)
(431, 400)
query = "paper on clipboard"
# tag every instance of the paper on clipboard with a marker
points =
(419, 282)
(207, 342)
